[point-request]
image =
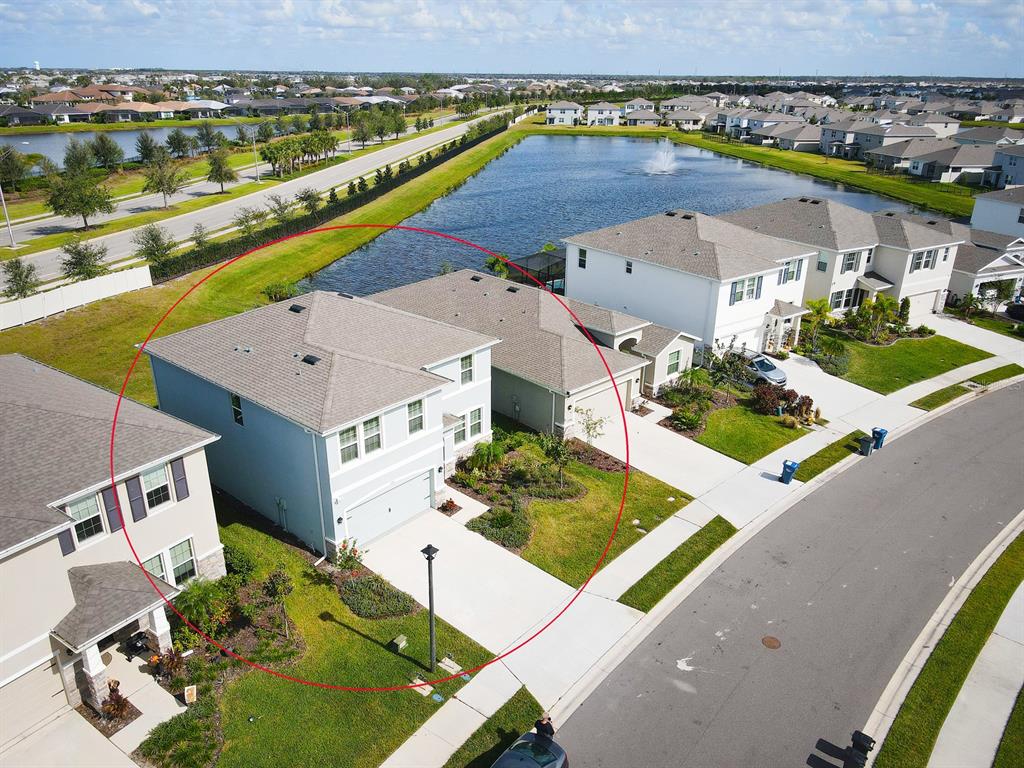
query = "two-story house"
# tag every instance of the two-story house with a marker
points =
(603, 113)
(546, 370)
(564, 113)
(340, 417)
(717, 281)
(71, 585)
(859, 254)
(637, 105)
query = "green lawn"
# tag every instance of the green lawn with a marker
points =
(946, 198)
(952, 392)
(745, 435)
(515, 718)
(831, 454)
(886, 369)
(939, 397)
(996, 324)
(663, 577)
(569, 536)
(301, 725)
(1011, 747)
(917, 725)
(14, 130)
(95, 342)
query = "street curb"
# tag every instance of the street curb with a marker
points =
(892, 698)
(589, 682)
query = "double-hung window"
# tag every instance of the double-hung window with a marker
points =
(822, 262)
(466, 364)
(460, 430)
(183, 562)
(582, 258)
(236, 410)
(945, 253)
(155, 566)
(87, 517)
(851, 262)
(929, 259)
(349, 443)
(156, 486)
(870, 253)
(475, 422)
(916, 261)
(371, 435)
(415, 417)
(745, 290)
(673, 361)
(843, 299)
(790, 271)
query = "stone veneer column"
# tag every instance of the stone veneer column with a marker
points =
(95, 678)
(159, 631)
(212, 566)
(67, 679)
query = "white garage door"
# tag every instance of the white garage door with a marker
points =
(604, 403)
(921, 307)
(29, 700)
(391, 508)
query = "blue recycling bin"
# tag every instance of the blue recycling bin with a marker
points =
(878, 435)
(789, 469)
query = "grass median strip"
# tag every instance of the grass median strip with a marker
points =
(945, 395)
(1011, 746)
(513, 719)
(831, 454)
(912, 736)
(663, 577)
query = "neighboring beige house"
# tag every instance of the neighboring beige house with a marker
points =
(72, 588)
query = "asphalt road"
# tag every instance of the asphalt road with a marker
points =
(845, 580)
(119, 245)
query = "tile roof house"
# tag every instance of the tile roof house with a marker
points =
(339, 417)
(859, 254)
(61, 521)
(699, 273)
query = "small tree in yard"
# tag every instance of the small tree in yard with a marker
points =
(818, 316)
(146, 147)
(280, 208)
(209, 138)
(78, 157)
(153, 243)
(163, 176)
(496, 266)
(20, 279)
(904, 311)
(248, 221)
(83, 260)
(265, 132)
(77, 194)
(558, 452)
(593, 426)
(970, 305)
(200, 237)
(486, 456)
(309, 199)
(277, 587)
(221, 171)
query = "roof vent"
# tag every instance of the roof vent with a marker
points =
(310, 359)
(687, 216)
(346, 295)
(815, 202)
(804, 200)
(670, 213)
(296, 308)
(476, 278)
(890, 214)
(932, 223)
(512, 289)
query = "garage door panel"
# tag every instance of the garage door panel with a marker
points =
(32, 698)
(604, 403)
(390, 509)
(921, 307)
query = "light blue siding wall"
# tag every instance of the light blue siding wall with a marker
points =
(267, 459)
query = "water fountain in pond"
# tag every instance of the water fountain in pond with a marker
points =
(664, 162)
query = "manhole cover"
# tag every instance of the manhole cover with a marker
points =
(771, 643)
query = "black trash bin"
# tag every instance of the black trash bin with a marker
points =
(867, 445)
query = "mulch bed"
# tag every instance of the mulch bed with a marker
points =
(107, 727)
(448, 509)
(596, 458)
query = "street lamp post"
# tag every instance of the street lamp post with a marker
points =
(429, 552)
(10, 232)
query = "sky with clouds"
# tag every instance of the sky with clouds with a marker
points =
(852, 37)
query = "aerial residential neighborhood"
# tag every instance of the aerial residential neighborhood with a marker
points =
(434, 385)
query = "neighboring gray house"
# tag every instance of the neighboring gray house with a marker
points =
(642, 117)
(545, 369)
(962, 162)
(875, 136)
(897, 156)
(340, 417)
(71, 585)
(989, 134)
(1008, 167)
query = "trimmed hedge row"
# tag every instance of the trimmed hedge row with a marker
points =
(217, 252)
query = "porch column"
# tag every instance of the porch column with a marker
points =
(95, 674)
(67, 678)
(159, 631)
(796, 330)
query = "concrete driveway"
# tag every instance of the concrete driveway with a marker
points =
(990, 341)
(499, 599)
(68, 742)
(668, 456)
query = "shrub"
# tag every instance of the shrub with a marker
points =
(766, 398)
(789, 421)
(448, 505)
(115, 706)
(802, 407)
(688, 417)
(924, 330)
(279, 291)
(240, 562)
(507, 526)
(348, 556)
(371, 597)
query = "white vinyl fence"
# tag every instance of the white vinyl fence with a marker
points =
(57, 300)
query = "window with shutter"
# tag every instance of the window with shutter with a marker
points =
(110, 505)
(136, 500)
(66, 539)
(179, 479)
(757, 291)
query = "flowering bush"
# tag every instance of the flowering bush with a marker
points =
(348, 557)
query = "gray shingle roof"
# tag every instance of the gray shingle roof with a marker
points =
(370, 356)
(604, 320)
(603, 105)
(911, 148)
(990, 134)
(975, 259)
(905, 233)
(786, 309)
(815, 221)
(962, 155)
(564, 105)
(1011, 195)
(707, 246)
(914, 131)
(874, 281)
(55, 441)
(642, 114)
(800, 133)
(539, 339)
(655, 339)
(106, 596)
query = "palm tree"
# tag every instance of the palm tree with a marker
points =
(819, 313)
(883, 312)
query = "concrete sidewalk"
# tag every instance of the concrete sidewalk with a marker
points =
(974, 726)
